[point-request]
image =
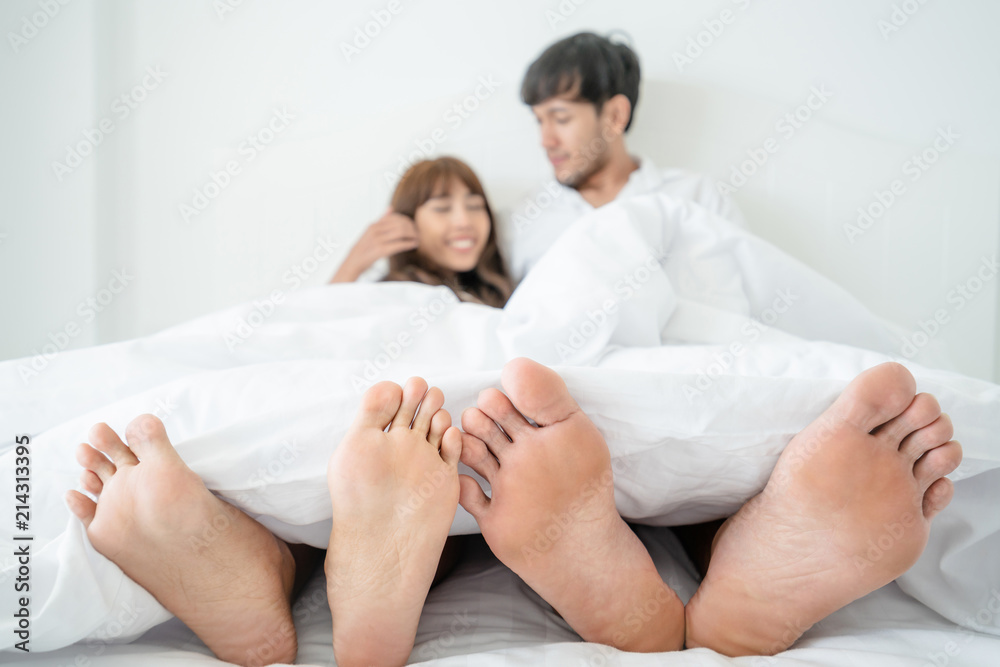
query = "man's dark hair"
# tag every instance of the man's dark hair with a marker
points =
(594, 66)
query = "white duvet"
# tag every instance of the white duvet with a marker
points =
(698, 349)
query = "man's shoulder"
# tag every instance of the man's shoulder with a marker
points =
(687, 181)
(675, 181)
(700, 188)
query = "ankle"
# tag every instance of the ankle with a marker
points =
(635, 611)
(726, 622)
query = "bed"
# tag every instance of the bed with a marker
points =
(696, 377)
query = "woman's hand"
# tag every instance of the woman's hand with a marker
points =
(392, 233)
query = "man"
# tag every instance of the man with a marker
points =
(583, 91)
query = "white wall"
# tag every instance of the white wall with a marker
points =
(48, 234)
(354, 121)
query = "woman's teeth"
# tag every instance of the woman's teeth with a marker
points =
(462, 244)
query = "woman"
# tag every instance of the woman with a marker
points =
(438, 230)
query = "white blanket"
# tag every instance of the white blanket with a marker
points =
(698, 349)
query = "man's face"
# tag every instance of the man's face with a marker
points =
(573, 136)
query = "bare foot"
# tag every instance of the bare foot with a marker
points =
(552, 517)
(847, 509)
(394, 494)
(222, 573)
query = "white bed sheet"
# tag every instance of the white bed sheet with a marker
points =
(482, 614)
(695, 396)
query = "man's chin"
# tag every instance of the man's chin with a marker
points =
(568, 178)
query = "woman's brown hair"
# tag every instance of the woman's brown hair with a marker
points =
(488, 282)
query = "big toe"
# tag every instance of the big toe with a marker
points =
(146, 436)
(379, 405)
(877, 396)
(537, 391)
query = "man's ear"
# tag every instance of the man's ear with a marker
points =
(617, 111)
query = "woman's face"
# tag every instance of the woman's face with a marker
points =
(453, 227)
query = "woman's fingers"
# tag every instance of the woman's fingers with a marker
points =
(397, 230)
(402, 245)
(398, 223)
(392, 234)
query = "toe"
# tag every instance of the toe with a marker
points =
(83, 507)
(146, 436)
(475, 422)
(936, 433)
(922, 411)
(451, 446)
(379, 405)
(93, 460)
(104, 439)
(413, 393)
(472, 497)
(91, 483)
(937, 497)
(498, 407)
(876, 396)
(433, 400)
(937, 463)
(439, 425)
(537, 392)
(477, 456)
